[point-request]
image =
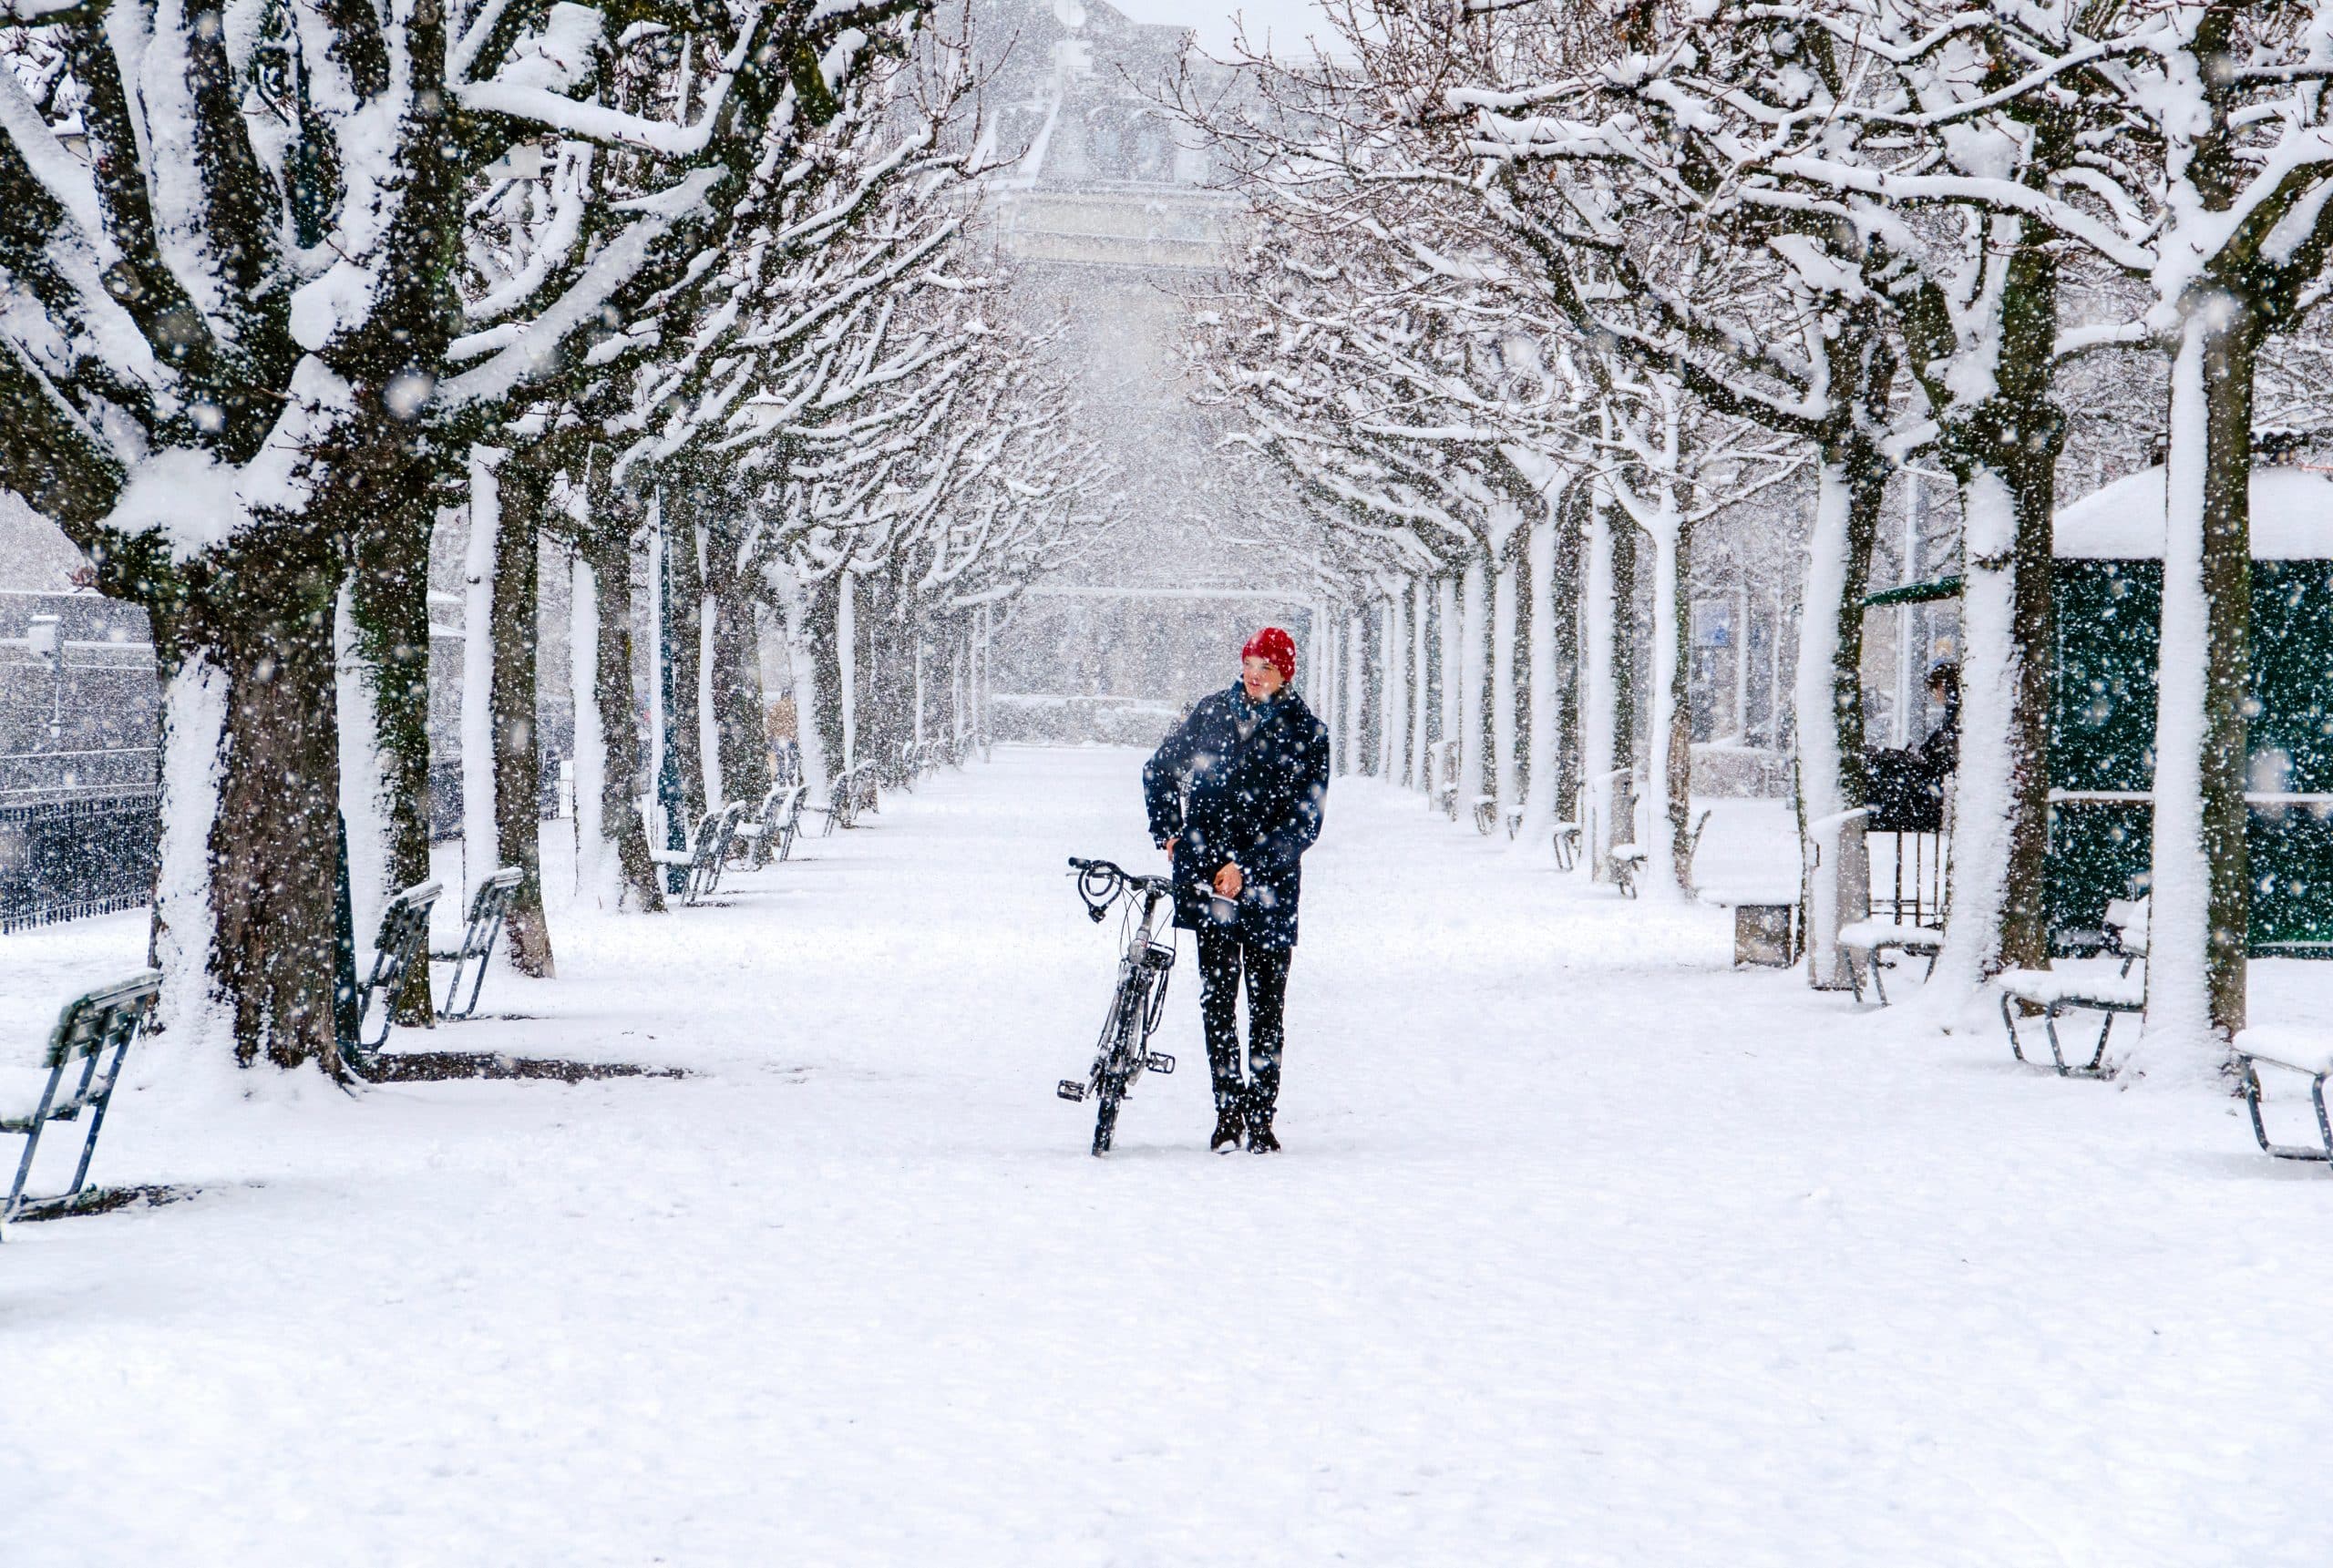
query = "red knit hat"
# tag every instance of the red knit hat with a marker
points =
(1273, 644)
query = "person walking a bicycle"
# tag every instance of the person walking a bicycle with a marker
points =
(1235, 797)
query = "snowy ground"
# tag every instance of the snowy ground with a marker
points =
(1584, 1249)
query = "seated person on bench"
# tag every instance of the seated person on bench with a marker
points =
(1908, 785)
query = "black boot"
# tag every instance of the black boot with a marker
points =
(1229, 1124)
(1259, 1131)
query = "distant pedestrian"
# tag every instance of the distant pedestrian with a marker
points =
(1235, 797)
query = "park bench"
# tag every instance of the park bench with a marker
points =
(854, 793)
(1628, 864)
(1628, 860)
(1766, 932)
(1870, 941)
(94, 1032)
(1909, 920)
(1442, 767)
(841, 809)
(2305, 1052)
(2104, 985)
(403, 943)
(768, 835)
(1487, 815)
(1567, 837)
(703, 856)
(487, 907)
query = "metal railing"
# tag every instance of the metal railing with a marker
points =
(88, 853)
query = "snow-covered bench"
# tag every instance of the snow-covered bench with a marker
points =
(1628, 862)
(706, 852)
(1566, 845)
(1870, 940)
(402, 942)
(489, 906)
(93, 1025)
(2105, 985)
(2308, 1051)
(1765, 920)
(1907, 913)
(845, 798)
(1442, 768)
(769, 834)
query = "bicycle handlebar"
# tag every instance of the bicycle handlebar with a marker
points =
(1109, 880)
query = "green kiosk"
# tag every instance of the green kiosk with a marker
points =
(2101, 762)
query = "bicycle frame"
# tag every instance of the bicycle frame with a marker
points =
(1123, 1054)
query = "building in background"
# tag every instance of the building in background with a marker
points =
(1108, 214)
(80, 718)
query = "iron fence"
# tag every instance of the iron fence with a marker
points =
(62, 859)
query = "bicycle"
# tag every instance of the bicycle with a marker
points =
(1123, 1054)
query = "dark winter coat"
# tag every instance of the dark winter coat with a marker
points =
(1907, 787)
(1254, 803)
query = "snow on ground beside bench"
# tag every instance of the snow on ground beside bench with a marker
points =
(1585, 1249)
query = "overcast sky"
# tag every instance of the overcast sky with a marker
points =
(1288, 21)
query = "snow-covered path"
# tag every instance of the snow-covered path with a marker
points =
(1585, 1249)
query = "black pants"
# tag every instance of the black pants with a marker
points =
(1222, 955)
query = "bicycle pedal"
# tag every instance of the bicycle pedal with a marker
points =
(1159, 1061)
(1069, 1089)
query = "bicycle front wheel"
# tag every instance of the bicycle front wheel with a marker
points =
(1105, 1113)
(1115, 1064)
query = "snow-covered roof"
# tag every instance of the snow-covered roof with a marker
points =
(2292, 517)
(34, 556)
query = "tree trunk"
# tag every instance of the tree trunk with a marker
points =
(844, 673)
(388, 607)
(1625, 716)
(684, 646)
(1473, 649)
(480, 555)
(1679, 718)
(888, 682)
(1356, 750)
(517, 765)
(1447, 727)
(1391, 645)
(958, 644)
(1669, 766)
(1600, 678)
(1504, 632)
(1417, 775)
(807, 608)
(1542, 741)
(738, 703)
(246, 917)
(597, 875)
(1850, 484)
(1563, 637)
(2004, 452)
(608, 552)
(2201, 915)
